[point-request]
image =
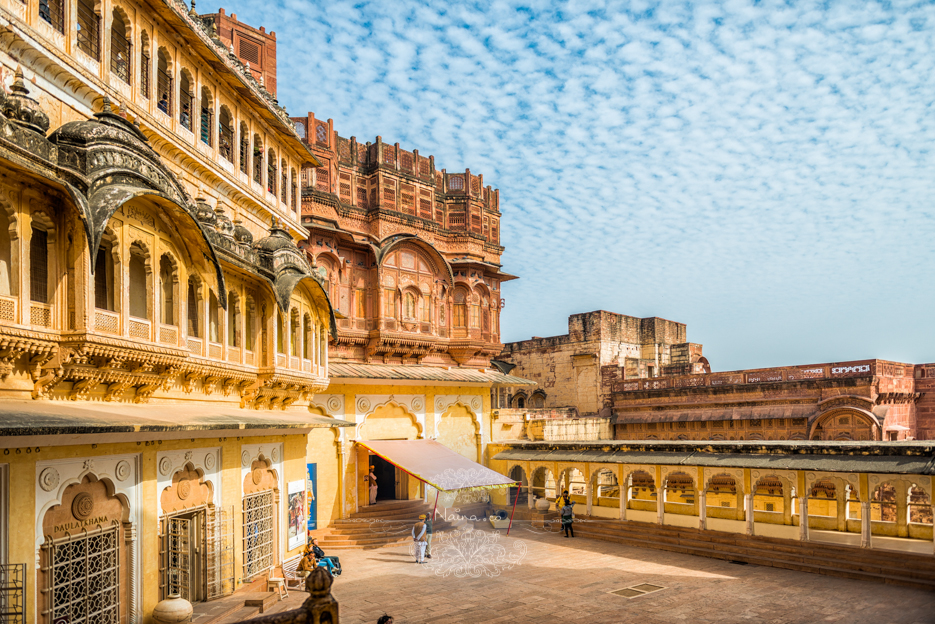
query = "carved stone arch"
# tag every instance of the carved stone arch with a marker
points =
(69, 489)
(9, 247)
(788, 480)
(844, 422)
(315, 291)
(454, 437)
(441, 265)
(107, 161)
(261, 477)
(119, 9)
(691, 471)
(359, 428)
(735, 473)
(188, 490)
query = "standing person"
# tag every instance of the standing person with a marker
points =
(568, 517)
(563, 500)
(428, 538)
(418, 536)
(372, 479)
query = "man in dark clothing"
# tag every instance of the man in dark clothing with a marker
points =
(335, 567)
(428, 537)
(568, 517)
(563, 500)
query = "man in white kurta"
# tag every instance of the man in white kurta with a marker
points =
(418, 536)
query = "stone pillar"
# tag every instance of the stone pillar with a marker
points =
(840, 496)
(748, 507)
(865, 539)
(803, 518)
(703, 510)
(622, 492)
(529, 495)
(933, 530)
(660, 505)
(589, 489)
(786, 504)
(129, 532)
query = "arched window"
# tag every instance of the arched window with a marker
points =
(39, 265)
(460, 309)
(257, 159)
(214, 318)
(920, 506)
(271, 171)
(883, 505)
(120, 47)
(207, 117)
(295, 192)
(186, 95)
(280, 333)
(294, 333)
(53, 11)
(307, 337)
(409, 307)
(284, 186)
(89, 29)
(194, 323)
(145, 64)
(249, 321)
(226, 134)
(233, 320)
(300, 129)
(139, 290)
(164, 89)
(475, 311)
(167, 280)
(244, 148)
(7, 283)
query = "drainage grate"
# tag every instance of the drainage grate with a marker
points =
(637, 590)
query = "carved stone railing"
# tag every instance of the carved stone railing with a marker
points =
(319, 608)
(8, 309)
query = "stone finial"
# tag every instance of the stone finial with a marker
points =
(193, 12)
(21, 109)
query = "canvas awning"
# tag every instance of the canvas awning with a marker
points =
(437, 465)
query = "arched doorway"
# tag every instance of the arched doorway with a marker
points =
(84, 559)
(260, 524)
(187, 505)
(519, 495)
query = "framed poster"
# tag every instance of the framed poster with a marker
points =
(295, 505)
(311, 495)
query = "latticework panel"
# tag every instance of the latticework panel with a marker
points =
(215, 351)
(40, 315)
(168, 335)
(7, 309)
(107, 322)
(194, 345)
(139, 329)
(258, 519)
(220, 553)
(82, 578)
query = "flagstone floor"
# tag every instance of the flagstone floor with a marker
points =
(548, 578)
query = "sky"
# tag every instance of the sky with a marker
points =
(761, 171)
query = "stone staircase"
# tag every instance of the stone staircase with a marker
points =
(375, 526)
(882, 566)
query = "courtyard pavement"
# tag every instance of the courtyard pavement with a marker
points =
(482, 577)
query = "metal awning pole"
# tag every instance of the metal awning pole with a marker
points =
(513, 510)
(436, 505)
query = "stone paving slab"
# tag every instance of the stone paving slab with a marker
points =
(569, 579)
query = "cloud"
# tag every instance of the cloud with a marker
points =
(761, 171)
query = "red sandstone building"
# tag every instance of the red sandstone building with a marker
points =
(254, 46)
(654, 385)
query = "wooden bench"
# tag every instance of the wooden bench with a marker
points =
(280, 584)
(289, 568)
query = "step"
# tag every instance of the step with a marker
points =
(263, 602)
(807, 560)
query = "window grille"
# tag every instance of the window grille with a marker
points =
(82, 577)
(244, 151)
(164, 88)
(226, 141)
(89, 30)
(258, 525)
(249, 52)
(185, 106)
(257, 164)
(12, 592)
(271, 176)
(53, 11)
(283, 189)
(220, 553)
(295, 195)
(206, 116)
(144, 75)
(39, 266)
(178, 557)
(120, 50)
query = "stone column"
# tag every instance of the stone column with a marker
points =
(703, 510)
(803, 518)
(529, 495)
(660, 505)
(622, 491)
(841, 497)
(589, 490)
(748, 506)
(129, 532)
(865, 539)
(933, 531)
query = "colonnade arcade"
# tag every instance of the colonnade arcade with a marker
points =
(860, 508)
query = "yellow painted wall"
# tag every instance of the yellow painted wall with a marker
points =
(22, 498)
